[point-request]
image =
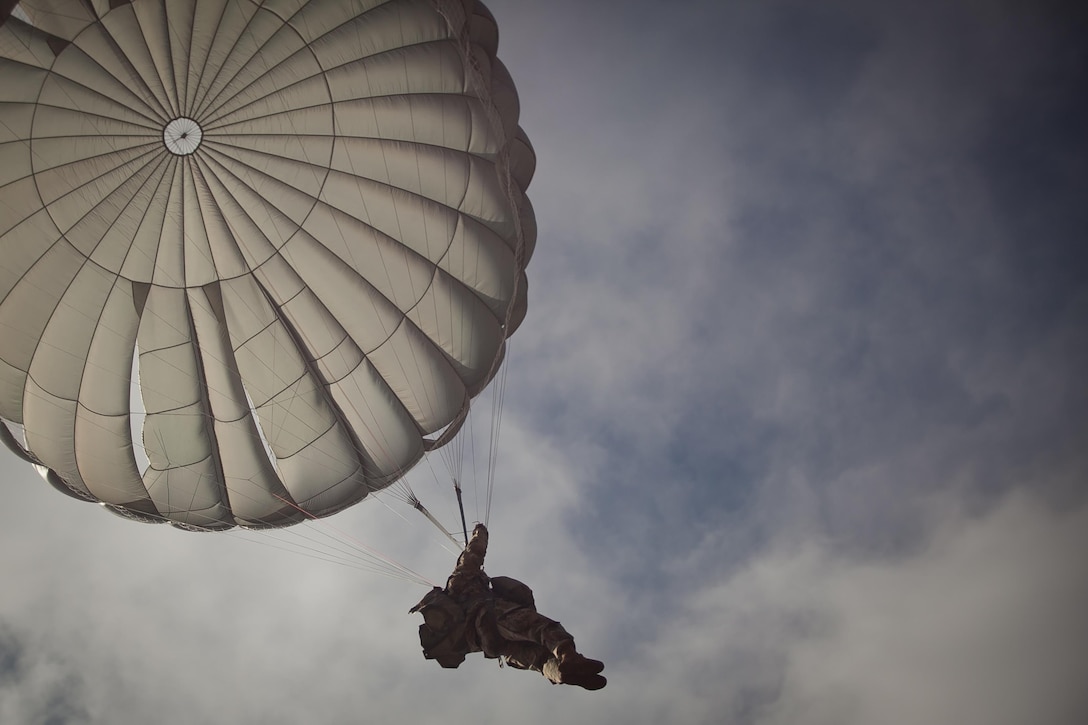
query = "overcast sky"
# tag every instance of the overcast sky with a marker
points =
(795, 429)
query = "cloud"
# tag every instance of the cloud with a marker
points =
(983, 627)
(35, 686)
(794, 430)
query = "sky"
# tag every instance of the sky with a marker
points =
(795, 429)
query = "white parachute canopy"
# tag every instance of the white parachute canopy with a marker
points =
(254, 256)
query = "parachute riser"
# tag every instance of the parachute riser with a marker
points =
(418, 506)
(461, 507)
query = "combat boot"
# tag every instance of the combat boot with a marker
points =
(571, 661)
(577, 663)
(586, 680)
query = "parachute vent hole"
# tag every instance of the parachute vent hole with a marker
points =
(182, 136)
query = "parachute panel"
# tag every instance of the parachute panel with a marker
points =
(389, 438)
(28, 307)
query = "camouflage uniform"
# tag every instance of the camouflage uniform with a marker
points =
(500, 620)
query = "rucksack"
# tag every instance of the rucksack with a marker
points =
(442, 633)
(512, 590)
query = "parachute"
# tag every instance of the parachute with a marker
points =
(257, 257)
